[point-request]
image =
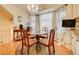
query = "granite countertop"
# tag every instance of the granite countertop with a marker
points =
(76, 34)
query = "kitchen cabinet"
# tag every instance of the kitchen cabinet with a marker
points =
(77, 46)
(67, 40)
(71, 41)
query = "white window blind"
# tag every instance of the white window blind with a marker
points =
(45, 21)
(33, 23)
(60, 15)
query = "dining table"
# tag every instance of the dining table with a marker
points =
(38, 36)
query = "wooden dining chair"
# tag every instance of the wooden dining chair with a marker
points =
(49, 42)
(17, 35)
(28, 41)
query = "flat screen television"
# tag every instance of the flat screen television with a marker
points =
(68, 23)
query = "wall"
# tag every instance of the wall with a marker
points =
(5, 26)
(16, 11)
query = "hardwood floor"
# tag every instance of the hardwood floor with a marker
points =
(10, 48)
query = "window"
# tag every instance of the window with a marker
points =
(32, 23)
(45, 22)
(60, 15)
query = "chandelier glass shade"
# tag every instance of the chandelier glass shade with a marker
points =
(32, 8)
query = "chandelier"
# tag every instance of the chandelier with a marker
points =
(32, 8)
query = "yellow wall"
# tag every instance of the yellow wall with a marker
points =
(5, 25)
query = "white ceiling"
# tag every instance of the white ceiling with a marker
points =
(42, 6)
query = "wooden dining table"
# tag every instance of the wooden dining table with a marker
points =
(38, 36)
(17, 34)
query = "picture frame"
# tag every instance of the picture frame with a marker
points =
(19, 18)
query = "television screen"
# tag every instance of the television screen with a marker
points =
(68, 23)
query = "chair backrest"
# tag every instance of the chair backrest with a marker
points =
(21, 27)
(45, 29)
(17, 35)
(51, 37)
(24, 36)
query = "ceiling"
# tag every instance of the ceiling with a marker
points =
(42, 7)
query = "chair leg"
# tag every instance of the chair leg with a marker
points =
(27, 50)
(49, 51)
(53, 50)
(22, 49)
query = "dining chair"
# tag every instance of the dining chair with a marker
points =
(28, 41)
(17, 35)
(49, 42)
(45, 29)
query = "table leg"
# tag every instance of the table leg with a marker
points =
(38, 46)
(37, 38)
